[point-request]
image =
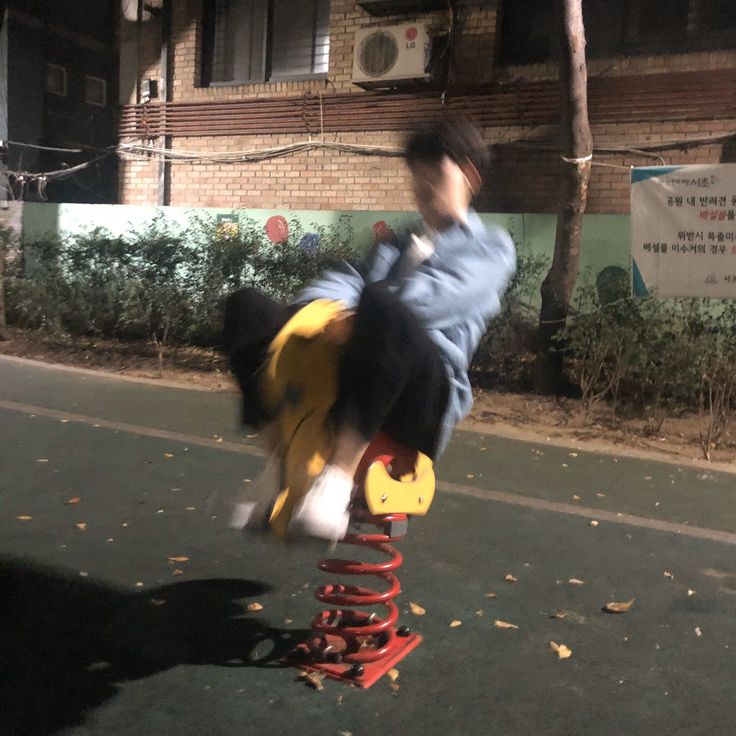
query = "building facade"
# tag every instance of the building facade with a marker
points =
(58, 99)
(209, 79)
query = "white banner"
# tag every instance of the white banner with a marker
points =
(683, 230)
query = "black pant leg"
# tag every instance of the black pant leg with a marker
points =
(391, 375)
(252, 320)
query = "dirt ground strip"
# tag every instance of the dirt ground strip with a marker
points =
(524, 416)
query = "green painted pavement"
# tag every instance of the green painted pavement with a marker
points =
(180, 654)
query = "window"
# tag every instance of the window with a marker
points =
(245, 41)
(717, 16)
(56, 80)
(529, 28)
(95, 91)
(660, 22)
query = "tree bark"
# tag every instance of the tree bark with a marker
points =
(4, 332)
(578, 146)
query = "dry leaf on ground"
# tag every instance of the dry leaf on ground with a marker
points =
(614, 607)
(594, 523)
(177, 571)
(490, 595)
(313, 678)
(24, 517)
(504, 624)
(416, 609)
(563, 652)
(566, 615)
(576, 581)
(254, 607)
(179, 558)
(42, 460)
(393, 674)
(454, 624)
(73, 500)
(168, 454)
(668, 575)
(511, 579)
(81, 525)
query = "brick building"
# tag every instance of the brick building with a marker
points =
(660, 71)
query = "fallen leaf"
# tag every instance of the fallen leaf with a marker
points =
(219, 439)
(190, 508)
(288, 621)
(254, 607)
(416, 609)
(393, 674)
(168, 454)
(690, 592)
(573, 454)
(569, 615)
(177, 571)
(576, 497)
(614, 607)
(647, 477)
(668, 575)
(81, 525)
(42, 460)
(698, 632)
(576, 581)
(479, 612)
(139, 584)
(511, 579)
(24, 517)
(454, 624)
(490, 595)
(73, 500)
(180, 558)
(504, 625)
(594, 523)
(562, 651)
(156, 601)
(600, 495)
(83, 574)
(313, 678)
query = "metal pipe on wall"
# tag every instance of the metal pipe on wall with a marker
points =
(164, 166)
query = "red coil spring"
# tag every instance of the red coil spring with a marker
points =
(358, 636)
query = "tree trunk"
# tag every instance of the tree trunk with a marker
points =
(4, 332)
(578, 146)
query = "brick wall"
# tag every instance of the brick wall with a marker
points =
(521, 180)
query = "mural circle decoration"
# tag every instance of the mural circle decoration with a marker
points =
(277, 229)
(382, 232)
(309, 244)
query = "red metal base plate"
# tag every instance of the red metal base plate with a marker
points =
(372, 671)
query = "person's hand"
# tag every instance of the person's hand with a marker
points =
(340, 328)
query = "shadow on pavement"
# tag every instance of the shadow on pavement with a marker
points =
(66, 642)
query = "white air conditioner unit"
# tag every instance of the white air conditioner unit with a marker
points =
(390, 55)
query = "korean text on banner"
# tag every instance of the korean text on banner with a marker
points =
(683, 230)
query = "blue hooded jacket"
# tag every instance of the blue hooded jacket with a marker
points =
(453, 293)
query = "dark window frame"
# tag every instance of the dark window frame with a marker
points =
(263, 58)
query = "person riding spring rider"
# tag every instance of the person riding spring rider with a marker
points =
(414, 313)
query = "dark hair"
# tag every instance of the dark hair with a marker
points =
(456, 138)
